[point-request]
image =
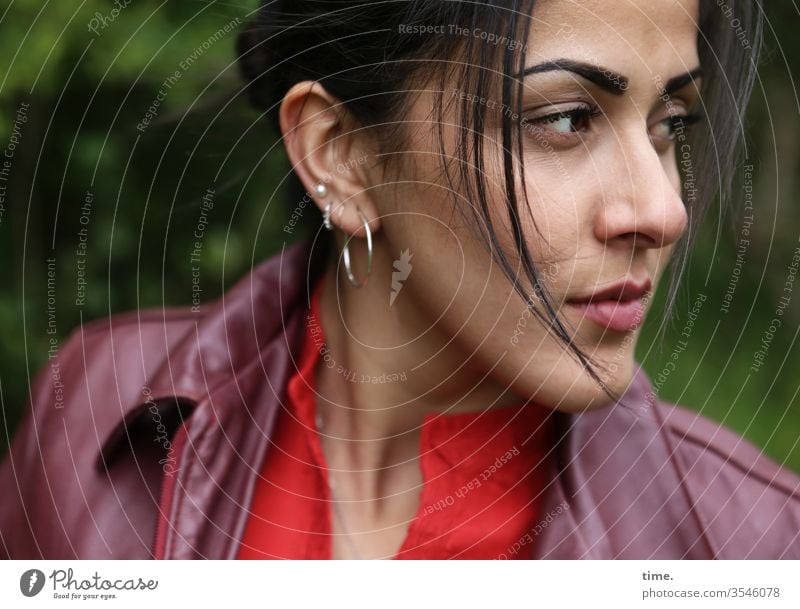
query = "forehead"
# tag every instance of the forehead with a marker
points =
(622, 35)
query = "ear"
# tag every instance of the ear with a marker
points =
(325, 147)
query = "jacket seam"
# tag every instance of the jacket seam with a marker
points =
(734, 460)
(148, 316)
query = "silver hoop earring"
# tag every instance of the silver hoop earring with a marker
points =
(346, 252)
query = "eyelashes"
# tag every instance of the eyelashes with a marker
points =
(568, 124)
(569, 120)
(686, 119)
(674, 124)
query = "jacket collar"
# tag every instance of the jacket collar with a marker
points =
(197, 353)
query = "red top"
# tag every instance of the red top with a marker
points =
(482, 476)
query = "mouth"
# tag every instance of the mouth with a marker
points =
(620, 307)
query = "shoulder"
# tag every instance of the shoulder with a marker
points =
(105, 361)
(699, 436)
(109, 367)
(748, 504)
(103, 343)
(100, 396)
(102, 366)
(674, 483)
(77, 400)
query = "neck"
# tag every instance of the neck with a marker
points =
(389, 365)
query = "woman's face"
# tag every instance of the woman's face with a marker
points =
(606, 83)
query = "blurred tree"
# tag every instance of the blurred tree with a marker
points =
(126, 114)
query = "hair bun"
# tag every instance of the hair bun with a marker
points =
(257, 61)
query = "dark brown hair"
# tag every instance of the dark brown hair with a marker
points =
(366, 54)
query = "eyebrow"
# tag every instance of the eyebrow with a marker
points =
(612, 82)
(679, 82)
(606, 79)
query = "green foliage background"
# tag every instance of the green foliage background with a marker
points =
(88, 92)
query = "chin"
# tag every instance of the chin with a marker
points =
(617, 378)
(570, 388)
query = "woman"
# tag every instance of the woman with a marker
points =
(448, 370)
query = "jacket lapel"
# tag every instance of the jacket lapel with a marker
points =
(249, 348)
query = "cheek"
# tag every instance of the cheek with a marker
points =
(562, 212)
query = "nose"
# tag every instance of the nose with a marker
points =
(640, 196)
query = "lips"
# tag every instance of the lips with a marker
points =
(620, 307)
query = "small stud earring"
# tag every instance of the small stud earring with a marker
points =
(322, 192)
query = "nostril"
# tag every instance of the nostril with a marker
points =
(638, 239)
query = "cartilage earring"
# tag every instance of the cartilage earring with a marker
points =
(322, 192)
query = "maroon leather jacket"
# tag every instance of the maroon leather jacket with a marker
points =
(152, 448)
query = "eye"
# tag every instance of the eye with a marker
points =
(667, 129)
(567, 122)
